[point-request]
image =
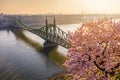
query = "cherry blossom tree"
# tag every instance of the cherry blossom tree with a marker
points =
(95, 51)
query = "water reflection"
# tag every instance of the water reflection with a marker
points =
(20, 35)
(22, 58)
(50, 52)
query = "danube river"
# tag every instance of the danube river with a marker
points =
(22, 56)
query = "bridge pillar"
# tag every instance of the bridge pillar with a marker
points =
(48, 44)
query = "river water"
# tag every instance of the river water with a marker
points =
(22, 56)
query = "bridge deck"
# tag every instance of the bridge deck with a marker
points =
(49, 32)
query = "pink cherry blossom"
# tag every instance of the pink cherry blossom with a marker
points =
(95, 50)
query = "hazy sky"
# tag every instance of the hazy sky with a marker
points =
(59, 6)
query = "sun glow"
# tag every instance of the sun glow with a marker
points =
(103, 6)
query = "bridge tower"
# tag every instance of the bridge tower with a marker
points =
(54, 24)
(46, 25)
(48, 43)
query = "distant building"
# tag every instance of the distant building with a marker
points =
(1, 16)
